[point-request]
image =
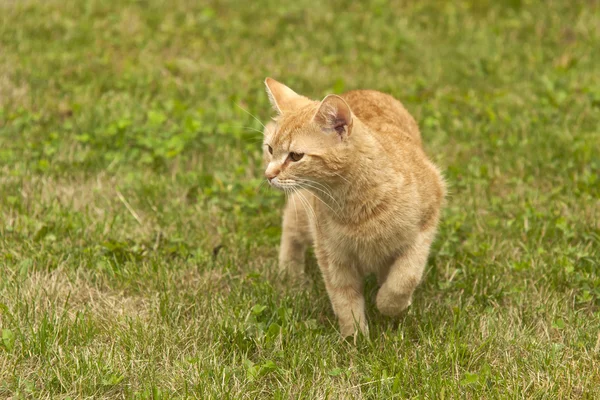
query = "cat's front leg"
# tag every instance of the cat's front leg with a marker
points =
(348, 302)
(345, 289)
(295, 237)
(395, 295)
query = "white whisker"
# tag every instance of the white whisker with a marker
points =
(292, 196)
(249, 128)
(307, 185)
(321, 188)
(309, 207)
(260, 186)
(342, 177)
(327, 205)
(250, 114)
(295, 190)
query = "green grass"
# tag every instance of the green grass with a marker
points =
(125, 162)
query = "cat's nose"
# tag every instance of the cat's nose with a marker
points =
(272, 172)
(270, 176)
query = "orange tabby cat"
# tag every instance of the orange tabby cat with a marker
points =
(361, 190)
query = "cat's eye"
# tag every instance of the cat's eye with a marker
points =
(296, 156)
(270, 149)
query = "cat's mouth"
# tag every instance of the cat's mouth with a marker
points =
(283, 184)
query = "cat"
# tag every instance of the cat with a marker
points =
(360, 189)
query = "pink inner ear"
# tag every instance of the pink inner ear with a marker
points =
(335, 114)
(339, 126)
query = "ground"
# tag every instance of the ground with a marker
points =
(138, 248)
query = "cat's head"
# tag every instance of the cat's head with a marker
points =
(308, 143)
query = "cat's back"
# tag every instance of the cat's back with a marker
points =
(383, 114)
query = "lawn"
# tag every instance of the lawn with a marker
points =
(138, 248)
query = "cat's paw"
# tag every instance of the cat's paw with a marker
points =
(392, 303)
(293, 276)
(355, 331)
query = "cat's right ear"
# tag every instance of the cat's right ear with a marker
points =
(334, 114)
(282, 98)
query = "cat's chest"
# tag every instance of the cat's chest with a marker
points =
(370, 245)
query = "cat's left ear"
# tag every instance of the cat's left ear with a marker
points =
(334, 114)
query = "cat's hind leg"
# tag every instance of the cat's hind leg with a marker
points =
(295, 236)
(405, 274)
